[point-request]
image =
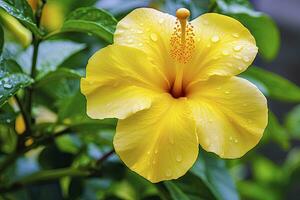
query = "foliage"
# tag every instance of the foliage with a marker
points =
(63, 154)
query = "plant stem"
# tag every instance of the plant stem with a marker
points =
(38, 142)
(23, 112)
(54, 174)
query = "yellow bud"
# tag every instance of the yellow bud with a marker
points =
(20, 124)
(52, 16)
(22, 34)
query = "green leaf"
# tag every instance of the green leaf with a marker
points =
(212, 171)
(57, 75)
(91, 20)
(8, 139)
(21, 10)
(1, 39)
(51, 54)
(276, 132)
(175, 192)
(292, 122)
(11, 82)
(276, 86)
(260, 25)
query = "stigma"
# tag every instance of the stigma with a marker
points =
(182, 40)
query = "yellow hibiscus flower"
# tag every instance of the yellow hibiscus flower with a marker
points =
(172, 85)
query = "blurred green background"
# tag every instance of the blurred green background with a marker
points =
(66, 155)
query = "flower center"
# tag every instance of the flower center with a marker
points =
(182, 46)
(182, 40)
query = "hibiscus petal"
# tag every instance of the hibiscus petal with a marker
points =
(231, 115)
(150, 31)
(119, 82)
(223, 47)
(159, 143)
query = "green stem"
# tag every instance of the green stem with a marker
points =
(212, 6)
(23, 112)
(48, 175)
(21, 151)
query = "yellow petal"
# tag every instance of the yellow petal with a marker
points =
(231, 115)
(119, 82)
(150, 31)
(159, 143)
(223, 46)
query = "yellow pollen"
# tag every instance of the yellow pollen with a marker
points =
(182, 40)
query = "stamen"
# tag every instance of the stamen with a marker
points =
(182, 40)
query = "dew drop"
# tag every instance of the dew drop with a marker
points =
(236, 141)
(7, 86)
(225, 52)
(156, 151)
(208, 45)
(236, 35)
(231, 138)
(161, 21)
(153, 37)
(148, 152)
(238, 57)
(140, 44)
(227, 92)
(179, 158)
(171, 140)
(237, 48)
(141, 24)
(168, 173)
(240, 68)
(8, 121)
(215, 38)
(246, 59)
(1, 96)
(130, 40)
(139, 31)
(219, 88)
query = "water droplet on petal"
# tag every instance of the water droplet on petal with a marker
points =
(227, 92)
(171, 140)
(246, 59)
(148, 152)
(236, 141)
(225, 52)
(237, 48)
(215, 38)
(237, 57)
(240, 68)
(141, 24)
(168, 173)
(231, 138)
(236, 35)
(219, 88)
(153, 37)
(130, 40)
(140, 44)
(161, 21)
(208, 45)
(179, 158)
(139, 31)
(156, 151)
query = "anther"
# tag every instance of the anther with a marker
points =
(182, 40)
